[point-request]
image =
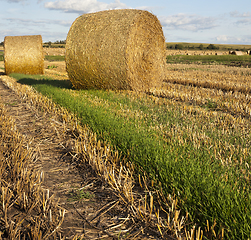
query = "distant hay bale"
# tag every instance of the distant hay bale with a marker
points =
(116, 49)
(24, 54)
(238, 53)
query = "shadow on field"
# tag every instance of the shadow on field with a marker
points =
(55, 83)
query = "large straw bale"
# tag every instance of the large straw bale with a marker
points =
(116, 49)
(24, 54)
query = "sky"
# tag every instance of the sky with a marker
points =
(194, 21)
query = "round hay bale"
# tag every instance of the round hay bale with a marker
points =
(116, 49)
(24, 54)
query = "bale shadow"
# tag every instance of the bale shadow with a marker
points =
(55, 83)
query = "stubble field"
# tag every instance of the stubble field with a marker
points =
(191, 138)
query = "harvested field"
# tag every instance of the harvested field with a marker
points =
(201, 114)
(92, 208)
(55, 69)
(54, 51)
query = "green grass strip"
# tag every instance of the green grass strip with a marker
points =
(206, 189)
(54, 58)
(1, 56)
(210, 59)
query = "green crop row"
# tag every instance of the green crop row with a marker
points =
(232, 60)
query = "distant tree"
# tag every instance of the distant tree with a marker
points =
(212, 47)
(49, 44)
(1, 43)
(169, 46)
(201, 47)
(60, 42)
(179, 46)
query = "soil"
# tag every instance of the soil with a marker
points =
(91, 206)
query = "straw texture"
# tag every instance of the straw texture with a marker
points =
(116, 49)
(24, 54)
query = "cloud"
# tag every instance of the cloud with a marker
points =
(30, 22)
(244, 18)
(233, 40)
(61, 22)
(244, 21)
(237, 14)
(87, 6)
(15, 1)
(224, 38)
(51, 30)
(25, 21)
(187, 22)
(46, 35)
